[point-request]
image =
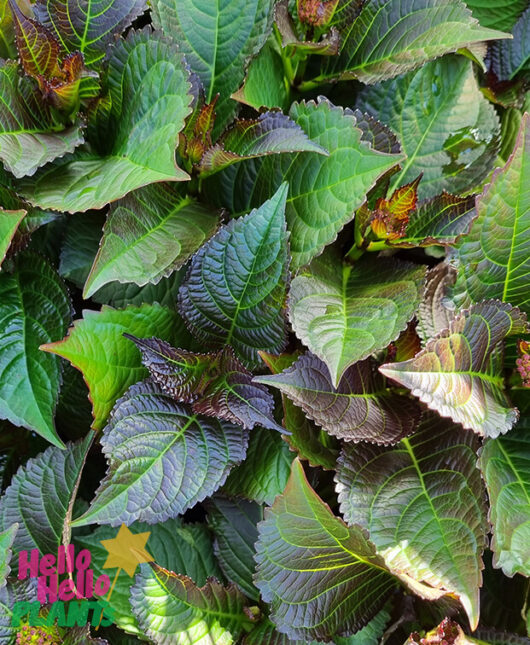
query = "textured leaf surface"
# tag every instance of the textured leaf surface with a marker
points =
(234, 524)
(172, 610)
(265, 471)
(28, 137)
(344, 313)
(18, 591)
(433, 316)
(41, 496)
(389, 38)
(162, 458)
(138, 125)
(217, 385)
(235, 288)
(34, 309)
(371, 633)
(360, 409)
(449, 135)
(303, 547)
(6, 542)
(499, 14)
(217, 40)
(9, 221)
(505, 464)
(323, 191)
(512, 57)
(422, 502)
(270, 133)
(184, 548)
(108, 361)
(457, 373)
(148, 235)
(496, 248)
(88, 25)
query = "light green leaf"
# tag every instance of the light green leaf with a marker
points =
(172, 610)
(109, 362)
(457, 374)
(344, 313)
(6, 542)
(88, 25)
(235, 288)
(265, 471)
(493, 260)
(34, 309)
(498, 14)
(324, 192)
(449, 135)
(135, 129)
(303, 546)
(41, 496)
(234, 524)
(217, 38)
(162, 459)
(436, 529)
(29, 138)
(9, 221)
(148, 235)
(184, 548)
(505, 464)
(389, 38)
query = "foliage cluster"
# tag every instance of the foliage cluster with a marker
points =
(264, 289)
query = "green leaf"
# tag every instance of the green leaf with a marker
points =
(162, 459)
(119, 295)
(265, 471)
(172, 610)
(271, 133)
(457, 374)
(41, 496)
(8, 47)
(436, 530)
(7, 538)
(184, 548)
(449, 135)
(9, 222)
(370, 634)
(499, 14)
(433, 316)
(149, 234)
(235, 289)
(29, 138)
(344, 313)
(505, 464)
(512, 57)
(217, 39)
(361, 408)
(266, 634)
(35, 309)
(389, 38)
(15, 591)
(216, 385)
(492, 260)
(109, 362)
(323, 191)
(234, 524)
(79, 246)
(302, 546)
(88, 25)
(135, 129)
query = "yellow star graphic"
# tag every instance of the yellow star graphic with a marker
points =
(127, 550)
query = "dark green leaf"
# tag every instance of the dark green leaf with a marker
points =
(172, 610)
(449, 135)
(148, 235)
(41, 496)
(457, 374)
(79, 246)
(422, 502)
(28, 136)
(492, 260)
(35, 309)
(88, 25)
(370, 634)
(162, 459)
(361, 408)
(235, 289)
(119, 295)
(110, 363)
(512, 57)
(217, 40)
(344, 313)
(497, 14)
(234, 524)
(303, 546)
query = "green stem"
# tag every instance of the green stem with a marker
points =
(306, 86)
(380, 245)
